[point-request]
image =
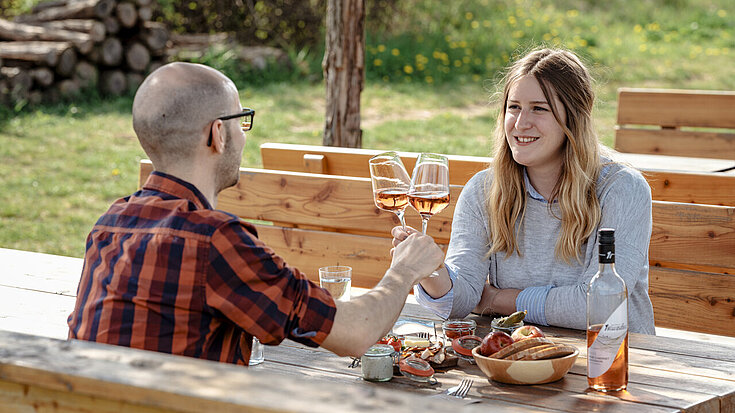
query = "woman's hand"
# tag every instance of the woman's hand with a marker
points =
(496, 301)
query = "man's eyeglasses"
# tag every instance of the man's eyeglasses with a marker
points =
(246, 124)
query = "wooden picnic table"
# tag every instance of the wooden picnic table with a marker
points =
(37, 293)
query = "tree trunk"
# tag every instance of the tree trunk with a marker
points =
(44, 53)
(137, 56)
(112, 25)
(155, 35)
(67, 62)
(86, 73)
(19, 31)
(42, 76)
(343, 67)
(126, 14)
(80, 9)
(47, 5)
(69, 87)
(145, 13)
(134, 80)
(111, 52)
(95, 29)
(113, 82)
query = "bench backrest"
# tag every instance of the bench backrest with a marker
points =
(676, 122)
(666, 185)
(323, 220)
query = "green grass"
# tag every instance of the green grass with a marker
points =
(62, 165)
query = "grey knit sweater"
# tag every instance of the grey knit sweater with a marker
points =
(625, 198)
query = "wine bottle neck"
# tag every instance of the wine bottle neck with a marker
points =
(606, 254)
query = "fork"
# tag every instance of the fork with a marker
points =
(461, 390)
(424, 334)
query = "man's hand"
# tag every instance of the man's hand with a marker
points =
(415, 255)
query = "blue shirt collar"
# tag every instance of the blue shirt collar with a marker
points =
(532, 192)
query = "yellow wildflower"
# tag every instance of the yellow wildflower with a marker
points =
(408, 69)
(395, 52)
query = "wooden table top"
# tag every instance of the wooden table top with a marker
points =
(666, 374)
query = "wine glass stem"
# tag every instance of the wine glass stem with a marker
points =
(424, 223)
(400, 218)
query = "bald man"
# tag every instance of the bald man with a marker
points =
(164, 270)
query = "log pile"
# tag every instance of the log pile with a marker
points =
(62, 46)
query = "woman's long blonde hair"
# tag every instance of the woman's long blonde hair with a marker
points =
(560, 73)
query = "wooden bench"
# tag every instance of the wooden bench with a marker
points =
(327, 220)
(691, 185)
(39, 374)
(676, 122)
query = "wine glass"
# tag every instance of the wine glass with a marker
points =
(390, 183)
(429, 191)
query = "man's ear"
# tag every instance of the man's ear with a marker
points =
(218, 136)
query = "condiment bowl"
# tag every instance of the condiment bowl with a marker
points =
(524, 371)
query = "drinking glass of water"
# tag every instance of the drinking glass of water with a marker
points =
(256, 353)
(337, 279)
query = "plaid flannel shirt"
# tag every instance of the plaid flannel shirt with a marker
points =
(163, 271)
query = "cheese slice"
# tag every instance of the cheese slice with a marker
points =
(416, 342)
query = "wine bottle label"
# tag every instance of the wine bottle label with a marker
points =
(602, 352)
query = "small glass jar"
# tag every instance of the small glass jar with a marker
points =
(458, 328)
(377, 363)
(506, 329)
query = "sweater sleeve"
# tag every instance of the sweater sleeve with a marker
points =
(467, 255)
(626, 207)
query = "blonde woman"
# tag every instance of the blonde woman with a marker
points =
(524, 234)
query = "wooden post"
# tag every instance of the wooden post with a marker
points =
(344, 71)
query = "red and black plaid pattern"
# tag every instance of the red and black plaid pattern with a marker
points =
(163, 271)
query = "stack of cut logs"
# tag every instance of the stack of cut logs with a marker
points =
(63, 46)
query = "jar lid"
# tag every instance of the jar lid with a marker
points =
(379, 350)
(459, 324)
(416, 367)
(464, 345)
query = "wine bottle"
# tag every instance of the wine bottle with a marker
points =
(607, 322)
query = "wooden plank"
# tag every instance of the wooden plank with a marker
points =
(35, 312)
(693, 301)
(342, 203)
(675, 142)
(308, 250)
(153, 380)
(693, 234)
(682, 233)
(667, 184)
(339, 202)
(28, 398)
(42, 272)
(695, 188)
(353, 162)
(676, 108)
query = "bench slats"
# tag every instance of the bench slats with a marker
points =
(695, 188)
(666, 184)
(709, 112)
(308, 250)
(676, 142)
(676, 108)
(693, 301)
(683, 234)
(695, 235)
(354, 162)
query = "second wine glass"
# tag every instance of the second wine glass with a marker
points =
(390, 183)
(429, 192)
